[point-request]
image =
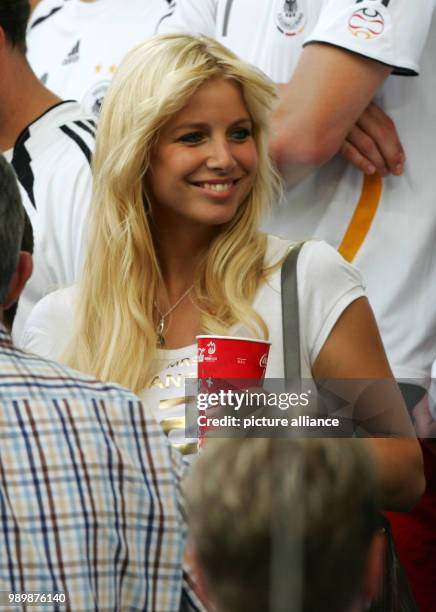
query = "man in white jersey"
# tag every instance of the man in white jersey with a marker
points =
(49, 143)
(355, 51)
(75, 46)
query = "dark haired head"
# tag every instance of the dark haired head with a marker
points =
(14, 15)
(11, 225)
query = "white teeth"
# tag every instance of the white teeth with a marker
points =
(217, 186)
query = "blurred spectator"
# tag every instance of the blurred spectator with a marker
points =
(89, 487)
(49, 142)
(75, 46)
(286, 525)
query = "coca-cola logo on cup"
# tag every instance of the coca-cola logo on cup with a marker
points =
(263, 361)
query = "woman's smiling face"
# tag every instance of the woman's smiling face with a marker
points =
(204, 163)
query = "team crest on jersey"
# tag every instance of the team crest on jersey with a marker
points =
(94, 97)
(290, 17)
(366, 23)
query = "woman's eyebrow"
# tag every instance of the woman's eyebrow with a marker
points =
(191, 126)
(201, 125)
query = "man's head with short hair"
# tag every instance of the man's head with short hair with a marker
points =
(17, 79)
(15, 266)
(14, 15)
(286, 521)
(11, 225)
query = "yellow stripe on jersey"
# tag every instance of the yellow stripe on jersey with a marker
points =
(187, 449)
(173, 423)
(175, 401)
(363, 217)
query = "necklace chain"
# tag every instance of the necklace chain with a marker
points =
(163, 316)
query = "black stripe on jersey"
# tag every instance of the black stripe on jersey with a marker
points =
(384, 2)
(227, 17)
(79, 142)
(85, 127)
(172, 6)
(92, 123)
(44, 17)
(22, 166)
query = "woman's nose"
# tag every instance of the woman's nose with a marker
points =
(221, 155)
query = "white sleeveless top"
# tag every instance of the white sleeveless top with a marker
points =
(327, 284)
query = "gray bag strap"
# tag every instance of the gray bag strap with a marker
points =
(290, 315)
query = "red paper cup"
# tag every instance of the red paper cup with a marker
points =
(231, 357)
(228, 362)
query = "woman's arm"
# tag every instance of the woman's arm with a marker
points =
(354, 352)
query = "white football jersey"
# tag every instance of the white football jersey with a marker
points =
(74, 47)
(387, 227)
(51, 159)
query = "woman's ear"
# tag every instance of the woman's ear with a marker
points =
(22, 273)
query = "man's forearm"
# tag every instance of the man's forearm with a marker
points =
(319, 106)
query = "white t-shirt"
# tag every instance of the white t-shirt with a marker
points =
(77, 47)
(326, 286)
(52, 158)
(387, 227)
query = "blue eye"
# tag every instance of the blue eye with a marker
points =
(240, 134)
(192, 137)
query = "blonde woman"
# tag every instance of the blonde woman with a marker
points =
(182, 177)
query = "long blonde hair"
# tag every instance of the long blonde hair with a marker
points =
(115, 329)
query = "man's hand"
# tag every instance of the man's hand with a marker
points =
(373, 145)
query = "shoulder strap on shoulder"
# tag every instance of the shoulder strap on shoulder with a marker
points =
(290, 314)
